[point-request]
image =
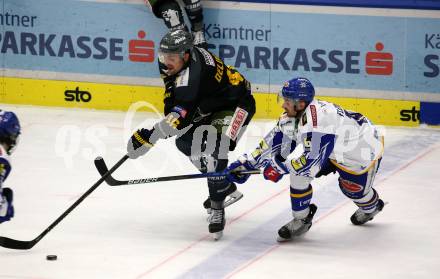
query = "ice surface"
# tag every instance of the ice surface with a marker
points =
(159, 230)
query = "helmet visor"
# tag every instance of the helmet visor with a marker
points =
(169, 57)
(282, 99)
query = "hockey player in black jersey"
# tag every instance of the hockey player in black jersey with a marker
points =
(171, 13)
(207, 105)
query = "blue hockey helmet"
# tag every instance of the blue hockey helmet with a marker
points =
(9, 129)
(298, 89)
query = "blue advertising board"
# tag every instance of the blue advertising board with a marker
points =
(79, 37)
(269, 47)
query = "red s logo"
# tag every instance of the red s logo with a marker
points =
(379, 63)
(141, 50)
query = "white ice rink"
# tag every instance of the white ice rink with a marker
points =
(159, 230)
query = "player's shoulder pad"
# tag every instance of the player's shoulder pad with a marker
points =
(310, 116)
(326, 113)
(205, 56)
(315, 114)
(325, 107)
(320, 117)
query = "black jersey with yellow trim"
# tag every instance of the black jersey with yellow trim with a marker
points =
(205, 85)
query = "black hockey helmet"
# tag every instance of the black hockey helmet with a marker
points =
(177, 41)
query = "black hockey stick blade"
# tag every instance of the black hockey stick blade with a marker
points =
(16, 244)
(10, 243)
(102, 169)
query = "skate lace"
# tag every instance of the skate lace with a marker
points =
(216, 216)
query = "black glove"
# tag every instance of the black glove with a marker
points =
(139, 143)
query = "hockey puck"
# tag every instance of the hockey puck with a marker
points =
(51, 257)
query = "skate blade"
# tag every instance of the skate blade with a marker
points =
(233, 198)
(282, 239)
(217, 235)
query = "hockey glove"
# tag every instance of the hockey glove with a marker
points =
(242, 164)
(275, 170)
(139, 144)
(6, 207)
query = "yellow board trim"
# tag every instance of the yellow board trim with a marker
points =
(104, 96)
(120, 97)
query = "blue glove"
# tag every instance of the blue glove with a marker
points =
(6, 207)
(242, 164)
(139, 143)
(275, 170)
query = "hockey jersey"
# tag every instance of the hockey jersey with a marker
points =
(205, 85)
(280, 141)
(324, 131)
(327, 131)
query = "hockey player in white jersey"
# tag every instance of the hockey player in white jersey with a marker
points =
(315, 138)
(9, 132)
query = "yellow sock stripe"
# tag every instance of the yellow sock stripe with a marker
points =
(141, 140)
(372, 201)
(301, 195)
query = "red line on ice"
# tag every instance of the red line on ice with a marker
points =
(180, 252)
(276, 246)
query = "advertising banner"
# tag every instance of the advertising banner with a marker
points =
(80, 37)
(335, 51)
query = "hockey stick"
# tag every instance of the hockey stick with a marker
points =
(102, 169)
(25, 245)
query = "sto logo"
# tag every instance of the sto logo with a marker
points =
(141, 50)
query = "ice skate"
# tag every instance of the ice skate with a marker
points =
(233, 196)
(296, 227)
(216, 220)
(360, 217)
